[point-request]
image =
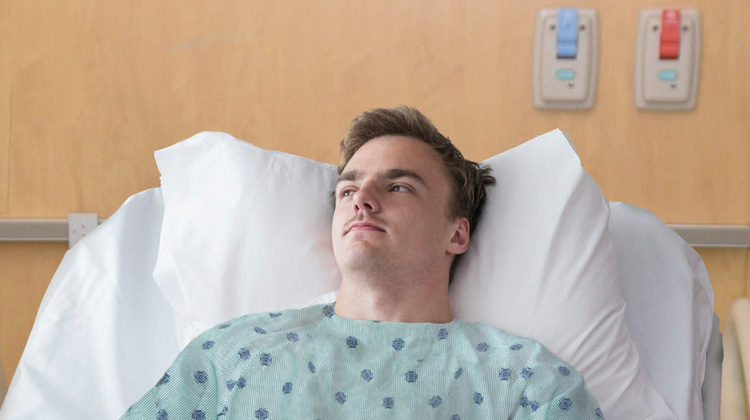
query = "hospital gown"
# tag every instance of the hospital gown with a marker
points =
(312, 364)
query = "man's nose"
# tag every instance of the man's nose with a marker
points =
(366, 200)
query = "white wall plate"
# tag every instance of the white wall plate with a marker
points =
(563, 79)
(667, 82)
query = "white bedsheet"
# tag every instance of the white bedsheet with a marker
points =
(104, 332)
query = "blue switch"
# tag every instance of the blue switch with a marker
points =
(567, 33)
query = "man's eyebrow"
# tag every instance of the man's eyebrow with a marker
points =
(354, 175)
(348, 176)
(404, 173)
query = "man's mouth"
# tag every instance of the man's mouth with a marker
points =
(364, 227)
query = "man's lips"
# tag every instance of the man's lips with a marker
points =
(364, 227)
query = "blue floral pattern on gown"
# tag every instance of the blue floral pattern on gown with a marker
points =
(311, 364)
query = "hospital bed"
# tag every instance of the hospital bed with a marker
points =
(235, 229)
(735, 387)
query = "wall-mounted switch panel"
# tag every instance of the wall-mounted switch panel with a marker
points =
(667, 59)
(565, 58)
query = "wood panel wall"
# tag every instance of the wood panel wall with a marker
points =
(89, 89)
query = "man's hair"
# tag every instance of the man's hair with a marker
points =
(470, 179)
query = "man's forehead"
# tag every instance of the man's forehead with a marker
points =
(394, 151)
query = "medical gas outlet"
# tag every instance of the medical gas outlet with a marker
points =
(667, 57)
(565, 58)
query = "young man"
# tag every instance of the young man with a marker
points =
(406, 202)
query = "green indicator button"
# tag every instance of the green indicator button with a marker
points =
(668, 75)
(565, 74)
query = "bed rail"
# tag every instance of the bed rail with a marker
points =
(69, 230)
(78, 224)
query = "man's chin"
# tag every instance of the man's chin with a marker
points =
(361, 258)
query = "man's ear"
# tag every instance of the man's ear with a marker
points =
(460, 239)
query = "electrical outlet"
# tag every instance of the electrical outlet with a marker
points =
(79, 225)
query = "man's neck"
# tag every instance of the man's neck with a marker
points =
(394, 302)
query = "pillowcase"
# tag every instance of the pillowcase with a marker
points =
(245, 230)
(541, 265)
(248, 230)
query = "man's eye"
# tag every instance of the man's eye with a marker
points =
(399, 188)
(346, 192)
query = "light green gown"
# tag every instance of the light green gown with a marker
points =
(312, 364)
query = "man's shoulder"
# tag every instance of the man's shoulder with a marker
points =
(259, 327)
(278, 318)
(496, 334)
(518, 348)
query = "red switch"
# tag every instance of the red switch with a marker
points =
(669, 46)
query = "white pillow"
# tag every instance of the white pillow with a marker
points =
(245, 230)
(670, 304)
(248, 230)
(541, 265)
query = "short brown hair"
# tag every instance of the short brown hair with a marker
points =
(470, 179)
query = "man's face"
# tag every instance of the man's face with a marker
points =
(392, 209)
